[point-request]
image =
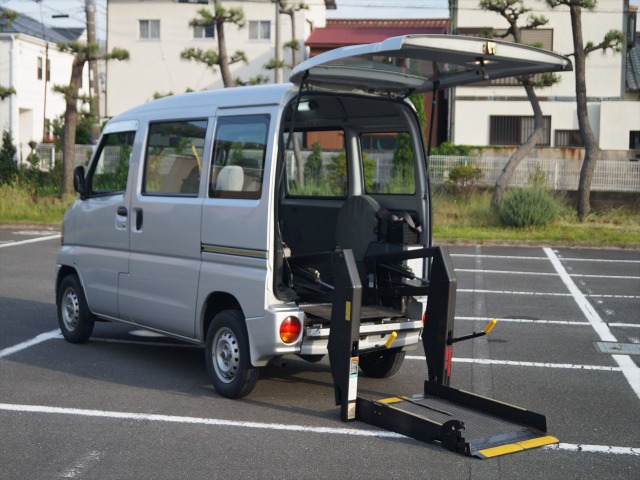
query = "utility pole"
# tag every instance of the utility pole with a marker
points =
(278, 69)
(94, 105)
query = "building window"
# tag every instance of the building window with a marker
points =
(39, 68)
(150, 29)
(514, 130)
(48, 70)
(568, 138)
(634, 140)
(203, 31)
(260, 30)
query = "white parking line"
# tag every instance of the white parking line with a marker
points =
(629, 369)
(196, 420)
(545, 294)
(598, 260)
(545, 322)
(572, 447)
(43, 337)
(517, 257)
(31, 240)
(524, 320)
(605, 449)
(513, 363)
(547, 274)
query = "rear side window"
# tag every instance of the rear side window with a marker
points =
(388, 163)
(317, 164)
(110, 172)
(173, 162)
(237, 165)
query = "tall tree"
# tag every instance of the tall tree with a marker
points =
(82, 53)
(612, 40)
(511, 11)
(211, 58)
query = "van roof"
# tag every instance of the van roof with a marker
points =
(236, 97)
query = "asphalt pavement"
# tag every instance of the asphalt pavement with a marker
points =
(133, 405)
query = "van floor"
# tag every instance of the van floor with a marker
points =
(323, 311)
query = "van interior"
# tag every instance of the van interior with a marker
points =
(352, 177)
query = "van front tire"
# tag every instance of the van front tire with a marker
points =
(74, 318)
(227, 355)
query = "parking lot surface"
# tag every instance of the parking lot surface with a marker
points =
(130, 404)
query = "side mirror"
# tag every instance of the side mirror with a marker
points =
(78, 181)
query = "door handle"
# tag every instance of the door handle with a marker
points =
(122, 211)
(138, 215)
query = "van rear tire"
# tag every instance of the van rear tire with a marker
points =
(227, 355)
(381, 364)
(74, 318)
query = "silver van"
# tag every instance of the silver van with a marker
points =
(206, 216)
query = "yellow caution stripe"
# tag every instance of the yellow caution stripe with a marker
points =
(517, 446)
(390, 400)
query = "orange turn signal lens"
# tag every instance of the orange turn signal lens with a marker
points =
(290, 329)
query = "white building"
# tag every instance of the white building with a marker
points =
(502, 115)
(155, 32)
(31, 64)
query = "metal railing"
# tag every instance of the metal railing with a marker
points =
(609, 175)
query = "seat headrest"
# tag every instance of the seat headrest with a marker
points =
(230, 178)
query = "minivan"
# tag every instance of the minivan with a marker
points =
(201, 216)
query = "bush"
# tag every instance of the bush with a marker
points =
(527, 207)
(8, 167)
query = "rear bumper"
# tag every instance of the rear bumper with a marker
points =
(372, 336)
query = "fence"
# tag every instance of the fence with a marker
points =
(49, 155)
(609, 175)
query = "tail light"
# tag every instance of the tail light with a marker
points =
(290, 329)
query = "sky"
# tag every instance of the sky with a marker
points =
(44, 10)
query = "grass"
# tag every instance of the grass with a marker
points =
(457, 219)
(19, 205)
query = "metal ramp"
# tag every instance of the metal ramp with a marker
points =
(461, 422)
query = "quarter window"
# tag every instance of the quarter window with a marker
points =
(388, 163)
(173, 163)
(110, 171)
(317, 164)
(237, 167)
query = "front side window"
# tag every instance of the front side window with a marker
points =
(39, 68)
(173, 161)
(388, 163)
(317, 164)
(239, 151)
(110, 171)
(260, 30)
(150, 29)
